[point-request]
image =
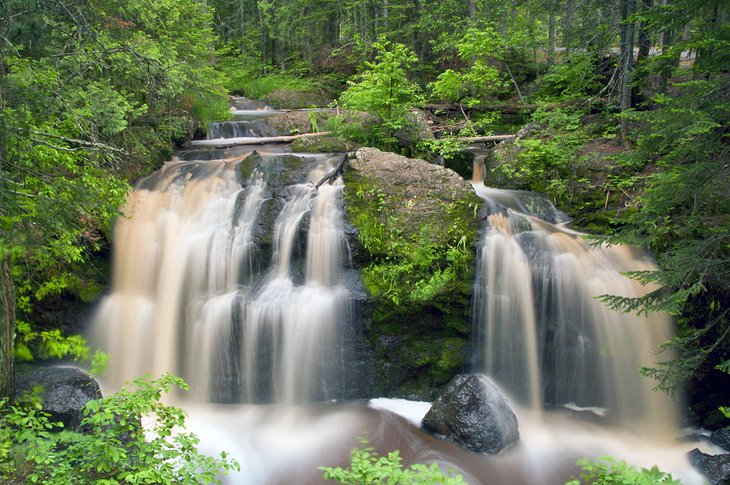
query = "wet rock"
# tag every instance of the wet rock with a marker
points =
(66, 390)
(721, 437)
(472, 412)
(715, 467)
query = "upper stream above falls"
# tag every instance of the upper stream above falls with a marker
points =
(233, 271)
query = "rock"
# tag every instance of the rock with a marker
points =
(721, 437)
(715, 467)
(66, 390)
(416, 130)
(420, 323)
(472, 412)
(414, 192)
(295, 99)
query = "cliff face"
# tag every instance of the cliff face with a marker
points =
(415, 228)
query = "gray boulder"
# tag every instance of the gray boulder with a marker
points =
(721, 437)
(473, 413)
(715, 467)
(65, 391)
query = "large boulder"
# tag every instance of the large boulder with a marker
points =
(415, 228)
(473, 413)
(65, 391)
(715, 467)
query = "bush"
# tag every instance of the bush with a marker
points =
(129, 437)
(609, 471)
(368, 467)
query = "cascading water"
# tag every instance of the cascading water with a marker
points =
(237, 284)
(539, 329)
(192, 297)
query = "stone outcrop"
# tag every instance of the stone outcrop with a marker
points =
(65, 391)
(721, 437)
(472, 412)
(715, 467)
(415, 227)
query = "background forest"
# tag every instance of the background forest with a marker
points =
(625, 104)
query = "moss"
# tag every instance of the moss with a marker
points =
(147, 150)
(418, 258)
(322, 144)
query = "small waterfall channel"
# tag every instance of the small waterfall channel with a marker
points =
(231, 283)
(232, 271)
(539, 329)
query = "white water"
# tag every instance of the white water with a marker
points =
(543, 334)
(187, 297)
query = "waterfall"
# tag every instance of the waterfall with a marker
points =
(538, 327)
(194, 294)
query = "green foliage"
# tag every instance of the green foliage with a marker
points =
(81, 81)
(427, 269)
(130, 437)
(367, 467)
(683, 217)
(609, 471)
(480, 49)
(446, 147)
(576, 78)
(383, 89)
(549, 162)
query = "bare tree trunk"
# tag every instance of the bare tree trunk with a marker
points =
(385, 16)
(644, 40)
(551, 35)
(568, 22)
(7, 329)
(616, 6)
(627, 63)
(264, 38)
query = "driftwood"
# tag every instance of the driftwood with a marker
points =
(510, 109)
(254, 141)
(332, 175)
(503, 108)
(487, 138)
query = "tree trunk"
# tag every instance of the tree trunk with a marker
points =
(616, 6)
(627, 63)
(568, 22)
(551, 35)
(644, 40)
(264, 38)
(7, 329)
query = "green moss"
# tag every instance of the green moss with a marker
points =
(322, 144)
(418, 268)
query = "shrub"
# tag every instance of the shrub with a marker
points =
(129, 437)
(368, 467)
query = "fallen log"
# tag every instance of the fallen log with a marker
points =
(263, 140)
(470, 139)
(503, 108)
(332, 175)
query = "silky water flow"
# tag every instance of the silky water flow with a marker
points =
(240, 288)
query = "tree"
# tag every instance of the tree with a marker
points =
(80, 81)
(383, 89)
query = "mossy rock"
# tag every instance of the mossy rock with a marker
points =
(296, 99)
(417, 228)
(295, 122)
(322, 144)
(147, 152)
